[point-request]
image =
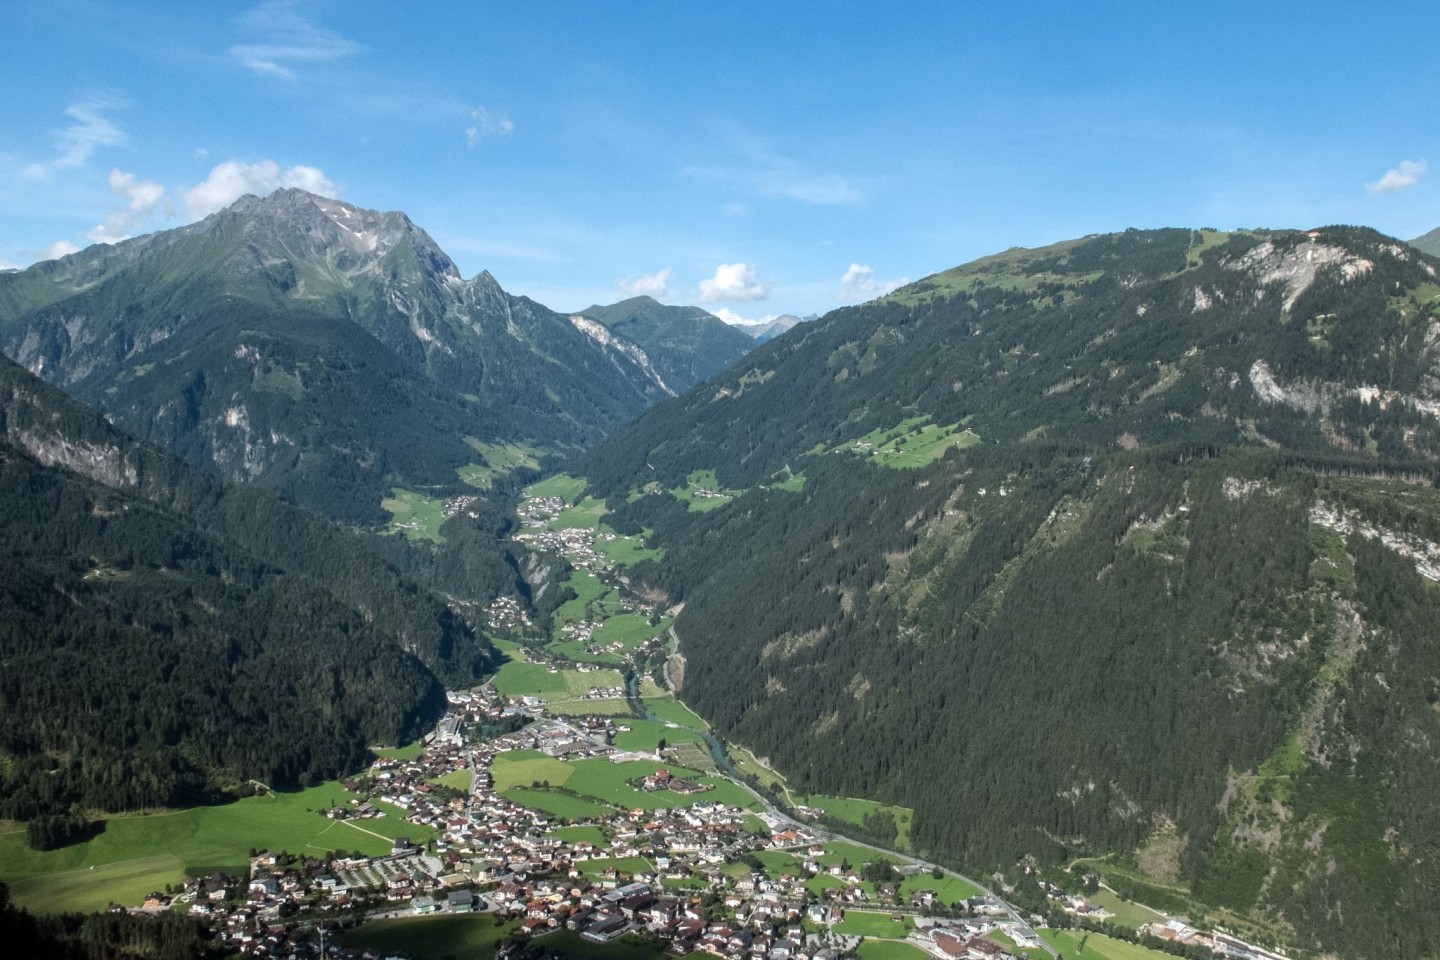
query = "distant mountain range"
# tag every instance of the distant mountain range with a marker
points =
(324, 350)
(768, 330)
(1122, 549)
(686, 344)
(1430, 243)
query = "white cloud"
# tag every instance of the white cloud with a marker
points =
(733, 318)
(733, 281)
(1401, 178)
(231, 180)
(655, 285)
(56, 250)
(762, 172)
(6, 266)
(75, 143)
(859, 283)
(285, 38)
(487, 123)
(142, 198)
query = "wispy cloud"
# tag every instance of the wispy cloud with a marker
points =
(283, 39)
(141, 197)
(231, 180)
(655, 285)
(733, 281)
(859, 283)
(761, 172)
(75, 143)
(1402, 177)
(485, 122)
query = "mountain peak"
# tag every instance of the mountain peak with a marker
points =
(1430, 243)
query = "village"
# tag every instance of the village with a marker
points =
(666, 874)
(555, 813)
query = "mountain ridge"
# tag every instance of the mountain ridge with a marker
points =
(687, 344)
(285, 648)
(1123, 529)
(241, 341)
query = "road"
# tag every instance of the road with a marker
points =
(775, 811)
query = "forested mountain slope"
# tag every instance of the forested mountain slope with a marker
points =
(166, 638)
(326, 351)
(1430, 243)
(1123, 547)
(686, 344)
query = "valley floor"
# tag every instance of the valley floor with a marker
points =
(572, 803)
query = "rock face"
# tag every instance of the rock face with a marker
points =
(323, 349)
(686, 344)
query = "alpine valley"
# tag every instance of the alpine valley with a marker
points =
(1111, 562)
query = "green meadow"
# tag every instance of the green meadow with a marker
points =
(469, 935)
(854, 810)
(499, 460)
(889, 950)
(704, 480)
(561, 485)
(138, 850)
(559, 805)
(416, 516)
(911, 443)
(863, 923)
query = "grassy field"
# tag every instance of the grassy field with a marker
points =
(589, 591)
(689, 753)
(567, 943)
(793, 483)
(583, 515)
(204, 839)
(819, 883)
(559, 805)
(628, 630)
(92, 889)
(527, 679)
(646, 734)
(704, 480)
(561, 485)
(455, 780)
(417, 517)
(408, 752)
(911, 443)
(854, 810)
(625, 551)
(673, 711)
(838, 851)
(499, 460)
(778, 862)
(616, 707)
(864, 923)
(603, 780)
(587, 834)
(1127, 914)
(949, 889)
(889, 950)
(746, 762)
(521, 768)
(1097, 946)
(469, 935)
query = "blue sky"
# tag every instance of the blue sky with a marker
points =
(757, 158)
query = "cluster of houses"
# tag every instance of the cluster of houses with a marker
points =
(505, 613)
